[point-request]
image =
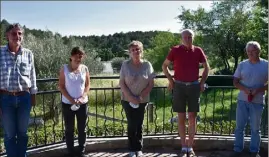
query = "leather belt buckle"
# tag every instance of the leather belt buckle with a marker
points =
(188, 83)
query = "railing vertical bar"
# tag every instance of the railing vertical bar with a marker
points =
(96, 112)
(44, 118)
(214, 107)
(113, 111)
(205, 118)
(231, 111)
(53, 127)
(163, 108)
(105, 103)
(155, 112)
(221, 122)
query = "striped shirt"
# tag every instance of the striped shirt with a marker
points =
(17, 71)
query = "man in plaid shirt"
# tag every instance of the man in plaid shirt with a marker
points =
(17, 91)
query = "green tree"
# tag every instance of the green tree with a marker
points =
(161, 45)
(225, 30)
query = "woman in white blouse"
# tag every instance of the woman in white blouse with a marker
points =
(74, 84)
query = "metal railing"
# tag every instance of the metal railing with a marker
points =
(106, 117)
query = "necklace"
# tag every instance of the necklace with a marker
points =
(74, 70)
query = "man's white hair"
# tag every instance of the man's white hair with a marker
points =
(255, 44)
(187, 30)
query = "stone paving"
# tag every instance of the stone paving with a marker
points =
(163, 153)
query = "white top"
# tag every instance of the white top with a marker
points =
(75, 83)
(252, 76)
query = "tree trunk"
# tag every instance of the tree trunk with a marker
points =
(235, 63)
(225, 62)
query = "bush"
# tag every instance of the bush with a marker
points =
(50, 53)
(117, 62)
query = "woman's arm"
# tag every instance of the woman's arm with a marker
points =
(145, 92)
(87, 83)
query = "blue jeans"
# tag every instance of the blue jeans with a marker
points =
(248, 111)
(15, 119)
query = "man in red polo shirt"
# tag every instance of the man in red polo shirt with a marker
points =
(186, 87)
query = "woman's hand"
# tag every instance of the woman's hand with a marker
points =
(134, 100)
(73, 101)
(81, 100)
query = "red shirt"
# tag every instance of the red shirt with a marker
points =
(186, 62)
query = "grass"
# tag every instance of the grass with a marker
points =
(107, 117)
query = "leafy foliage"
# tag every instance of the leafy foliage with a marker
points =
(161, 45)
(51, 53)
(226, 29)
(117, 62)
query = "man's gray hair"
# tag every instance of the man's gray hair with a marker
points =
(255, 44)
(187, 30)
(14, 25)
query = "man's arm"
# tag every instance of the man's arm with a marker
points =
(167, 73)
(205, 72)
(260, 90)
(237, 84)
(33, 88)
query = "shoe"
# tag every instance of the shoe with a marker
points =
(81, 155)
(71, 155)
(254, 155)
(183, 153)
(235, 154)
(139, 154)
(132, 154)
(191, 153)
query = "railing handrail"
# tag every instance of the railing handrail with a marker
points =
(117, 77)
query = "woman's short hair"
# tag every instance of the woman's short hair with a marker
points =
(77, 50)
(255, 44)
(136, 43)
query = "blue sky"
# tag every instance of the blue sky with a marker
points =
(97, 17)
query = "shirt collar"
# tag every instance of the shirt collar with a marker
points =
(185, 48)
(7, 49)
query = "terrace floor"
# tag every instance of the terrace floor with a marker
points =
(157, 146)
(165, 153)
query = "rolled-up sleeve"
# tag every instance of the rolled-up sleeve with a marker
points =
(33, 88)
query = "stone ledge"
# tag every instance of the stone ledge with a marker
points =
(202, 143)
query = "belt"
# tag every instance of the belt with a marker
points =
(13, 93)
(187, 83)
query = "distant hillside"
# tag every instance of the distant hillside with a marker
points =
(110, 45)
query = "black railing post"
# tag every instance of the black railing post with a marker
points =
(150, 111)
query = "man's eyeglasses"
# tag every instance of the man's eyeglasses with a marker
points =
(16, 33)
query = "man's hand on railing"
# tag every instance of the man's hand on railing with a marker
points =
(171, 85)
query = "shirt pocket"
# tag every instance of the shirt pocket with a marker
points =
(25, 69)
